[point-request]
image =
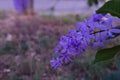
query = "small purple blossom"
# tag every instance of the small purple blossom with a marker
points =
(92, 32)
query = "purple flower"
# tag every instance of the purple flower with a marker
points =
(93, 32)
(56, 62)
(21, 5)
(97, 17)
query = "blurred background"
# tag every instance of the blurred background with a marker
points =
(28, 40)
(56, 7)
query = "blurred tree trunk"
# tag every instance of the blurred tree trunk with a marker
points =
(31, 7)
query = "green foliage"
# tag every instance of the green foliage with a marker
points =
(118, 64)
(45, 40)
(12, 47)
(112, 7)
(91, 2)
(68, 77)
(112, 76)
(23, 46)
(106, 54)
(8, 47)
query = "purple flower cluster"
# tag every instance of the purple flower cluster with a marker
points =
(92, 32)
(21, 5)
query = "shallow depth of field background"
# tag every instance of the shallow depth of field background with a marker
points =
(27, 42)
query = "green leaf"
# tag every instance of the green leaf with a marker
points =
(106, 54)
(112, 7)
